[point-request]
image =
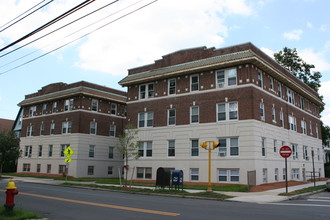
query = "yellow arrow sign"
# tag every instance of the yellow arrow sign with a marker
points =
(68, 151)
(68, 160)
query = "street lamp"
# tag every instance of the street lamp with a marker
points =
(209, 145)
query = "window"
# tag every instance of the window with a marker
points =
(146, 91)
(91, 151)
(95, 104)
(276, 174)
(26, 167)
(303, 127)
(273, 114)
(294, 148)
(271, 83)
(302, 102)
(146, 119)
(233, 111)
(228, 175)
(38, 168)
(111, 151)
(194, 83)
(227, 111)
(62, 169)
(264, 175)
(68, 105)
(145, 149)
(194, 114)
(113, 130)
(310, 128)
(63, 147)
(262, 111)
(28, 151)
(295, 174)
(54, 107)
(40, 151)
(66, 127)
(42, 129)
(52, 128)
(305, 153)
(171, 86)
(279, 89)
(233, 147)
(290, 95)
(317, 131)
(275, 143)
(281, 119)
(292, 123)
(194, 148)
(194, 174)
(113, 108)
(226, 77)
(50, 150)
(144, 172)
(171, 117)
(171, 148)
(29, 130)
(49, 168)
(263, 146)
(93, 127)
(110, 170)
(33, 111)
(90, 170)
(260, 81)
(44, 108)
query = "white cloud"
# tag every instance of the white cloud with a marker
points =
(319, 59)
(157, 30)
(309, 24)
(324, 28)
(293, 35)
(325, 92)
(268, 51)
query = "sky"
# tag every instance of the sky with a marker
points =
(101, 47)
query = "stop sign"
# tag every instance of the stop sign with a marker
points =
(285, 151)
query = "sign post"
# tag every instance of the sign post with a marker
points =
(68, 153)
(286, 152)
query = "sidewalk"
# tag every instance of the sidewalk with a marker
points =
(252, 197)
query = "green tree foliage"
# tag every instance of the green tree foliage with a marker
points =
(128, 146)
(290, 60)
(9, 152)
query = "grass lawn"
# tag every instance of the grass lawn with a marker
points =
(301, 191)
(16, 214)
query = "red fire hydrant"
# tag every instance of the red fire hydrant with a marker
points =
(11, 192)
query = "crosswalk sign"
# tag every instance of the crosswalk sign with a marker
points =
(68, 151)
(68, 160)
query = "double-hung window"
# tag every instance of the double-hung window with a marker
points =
(194, 174)
(263, 146)
(146, 119)
(194, 82)
(292, 123)
(66, 127)
(271, 83)
(44, 108)
(290, 95)
(295, 174)
(52, 128)
(93, 127)
(262, 111)
(303, 127)
(91, 151)
(294, 148)
(112, 130)
(227, 77)
(273, 114)
(171, 86)
(143, 172)
(28, 151)
(113, 108)
(42, 129)
(227, 111)
(232, 143)
(260, 80)
(194, 148)
(95, 105)
(111, 152)
(305, 152)
(171, 148)
(68, 105)
(281, 119)
(54, 107)
(145, 149)
(228, 175)
(33, 111)
(29, 130)
(171, 117)
(146, 91)
(279, 89)
(40, 151)
(194, 114)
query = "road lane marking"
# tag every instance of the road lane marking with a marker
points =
(298, 204)
(102, 205)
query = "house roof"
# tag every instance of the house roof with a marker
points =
(6, 124)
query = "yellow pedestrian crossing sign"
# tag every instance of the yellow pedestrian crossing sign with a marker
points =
(68, 160)
(68, 151)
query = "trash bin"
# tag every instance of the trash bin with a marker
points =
(163, 177)
(177, 179)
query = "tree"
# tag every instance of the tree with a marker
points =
(9, 152)
(128, 146)
(289, 59)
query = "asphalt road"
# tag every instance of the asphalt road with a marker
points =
(65, 203)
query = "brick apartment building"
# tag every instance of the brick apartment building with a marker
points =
(82, 115)
(237, 96)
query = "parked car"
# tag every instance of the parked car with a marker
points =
(328, 185)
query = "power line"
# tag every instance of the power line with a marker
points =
(57, 48)
(25, 15)
(58, 29)
(71, 11)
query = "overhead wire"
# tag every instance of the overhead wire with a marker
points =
(72, 22)
(76, 39)
(67, 13)
(25, 15)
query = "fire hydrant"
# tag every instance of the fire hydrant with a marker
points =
(10, 193)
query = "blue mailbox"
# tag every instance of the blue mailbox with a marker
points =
(177, 179)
